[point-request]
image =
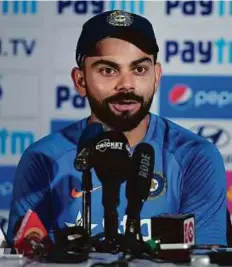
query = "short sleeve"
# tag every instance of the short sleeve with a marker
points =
(31, 190)
(204, 195)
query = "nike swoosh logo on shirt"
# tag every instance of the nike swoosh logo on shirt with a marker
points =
(76, 194)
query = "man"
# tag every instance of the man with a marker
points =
(119, 73)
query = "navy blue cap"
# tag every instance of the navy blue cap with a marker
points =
(120, 24)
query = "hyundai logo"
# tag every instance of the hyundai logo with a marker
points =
(215, 134)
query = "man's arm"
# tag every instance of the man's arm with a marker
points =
(204, 195)
(31, 190)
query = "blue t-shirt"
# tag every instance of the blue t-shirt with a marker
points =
(189, 177)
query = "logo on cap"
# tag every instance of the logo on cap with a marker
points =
(120, 18)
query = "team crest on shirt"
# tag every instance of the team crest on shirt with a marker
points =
(158, 186)
(120, 18)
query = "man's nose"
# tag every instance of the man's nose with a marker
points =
(126, 83)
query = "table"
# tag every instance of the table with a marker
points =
(99, 257)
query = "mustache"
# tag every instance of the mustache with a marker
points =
(124, 96)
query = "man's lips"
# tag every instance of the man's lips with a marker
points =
(126, 105)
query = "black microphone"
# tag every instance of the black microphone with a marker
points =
(84, 162)
(84, 155)
(174, 230)
(111, 163)
(138, 187)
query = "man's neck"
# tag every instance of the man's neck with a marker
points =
(134, 136)
(137, 134)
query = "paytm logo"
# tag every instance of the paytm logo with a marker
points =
(133, 6)
(189, 51)
(14, 47)
(196, 97)
(96, 7)
(199, 8)
(65, 94)
(14, 142)
(17, 7)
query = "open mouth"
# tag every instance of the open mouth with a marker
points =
(125, 105)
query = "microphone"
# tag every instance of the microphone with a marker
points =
(138, 187)
(84, 162)
(72, 245)
(31, 237)
(174, 231)
(111, 160)
(32, 240)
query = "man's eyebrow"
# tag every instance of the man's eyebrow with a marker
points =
(141, 60)
(105, 62)
(116, 66)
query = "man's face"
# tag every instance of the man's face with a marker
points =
(120, 83)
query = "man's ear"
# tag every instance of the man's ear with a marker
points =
(79, 81)
(158, 74)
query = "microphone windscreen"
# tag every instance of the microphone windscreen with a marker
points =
(88, 134)
(83, 159)
(111, 157)
(142, 166)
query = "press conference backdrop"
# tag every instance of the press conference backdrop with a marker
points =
(37, 52)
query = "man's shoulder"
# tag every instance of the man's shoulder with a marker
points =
(186, 147)
(174, 135)
(182, 143)
(55, 144)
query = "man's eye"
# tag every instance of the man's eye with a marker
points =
(107, 71)
(140, 70)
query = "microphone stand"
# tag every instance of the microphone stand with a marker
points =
(82, 163)
(133, 227)
(133, 242)
(112, 240)
(87, 187)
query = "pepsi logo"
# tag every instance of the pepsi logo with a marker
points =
(180, 96)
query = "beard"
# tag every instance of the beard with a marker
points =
(120, 122)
